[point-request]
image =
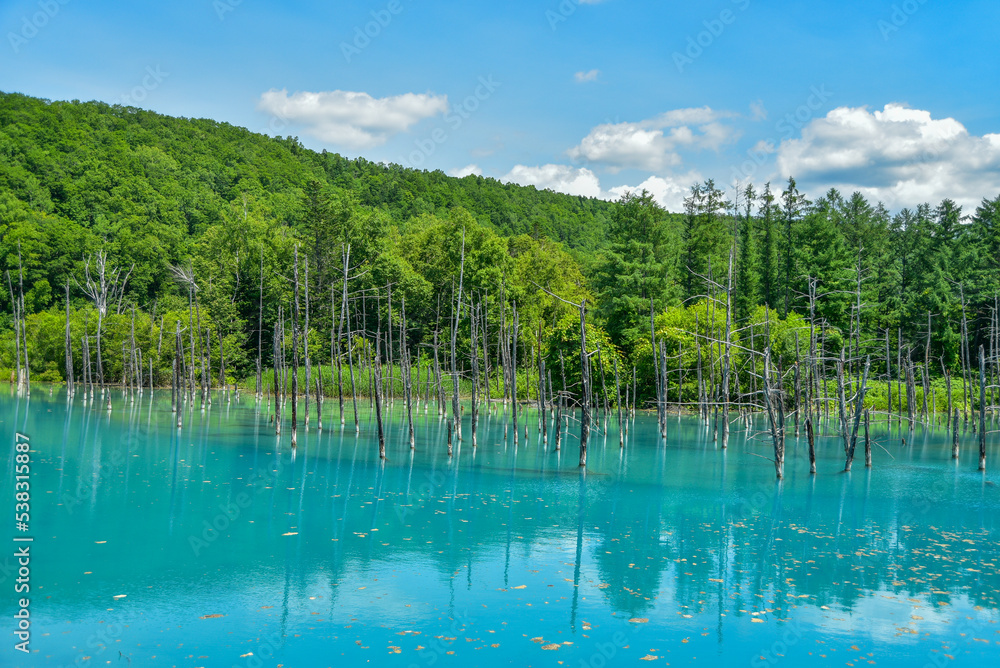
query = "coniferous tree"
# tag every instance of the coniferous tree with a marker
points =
(637, 267)
(793, 206)
(770, 274)
(748, 266)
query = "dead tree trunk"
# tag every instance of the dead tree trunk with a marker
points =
(15, 301)
(178, 364)
(618, 403)
(335, 352)
(585, 379)
(982, 409)
(260, 328)
(406, 370)
(23, 321)
(69, 348)
(966, 362)
(925, 372)
(660, 405)
(604, 387)
(728, 356)
(513, 371)
(305, 345)
(388, 346)
(474, 345)
(486, 346)
(350, 363)
(346, 256)
(319, 401)
(295, 350)
(557, 425)
(279, 349)
(85, 359)
(888, 379)
(858, 410)
(455, 408)
(812, 446)
(775, 415)
(798, 384)
(663, 385)
(842, 402)
(954, 437)
(377, 392)
(868, 442)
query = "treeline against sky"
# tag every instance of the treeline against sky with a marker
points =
(168, 197)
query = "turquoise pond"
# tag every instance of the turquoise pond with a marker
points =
(672, 551)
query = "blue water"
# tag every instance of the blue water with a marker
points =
(671, 551)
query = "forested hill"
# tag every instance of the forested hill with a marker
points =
(96, 164)
(202, 211)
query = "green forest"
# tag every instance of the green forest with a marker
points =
(128, 220)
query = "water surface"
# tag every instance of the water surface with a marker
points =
(214, 545)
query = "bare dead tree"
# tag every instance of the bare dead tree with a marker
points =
(456, 414)
(69, 348)
(104, 286)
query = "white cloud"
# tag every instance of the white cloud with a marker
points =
(669, 192)
(584, 77)
(899, 155)
(653, 144)
(560, 178)
(355, 120)
(466, 171)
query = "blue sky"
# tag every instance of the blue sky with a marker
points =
(896, 99)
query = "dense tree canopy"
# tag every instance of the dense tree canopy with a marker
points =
(230, 207)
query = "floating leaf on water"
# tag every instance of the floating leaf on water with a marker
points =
(210, 616)
(639, 620)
